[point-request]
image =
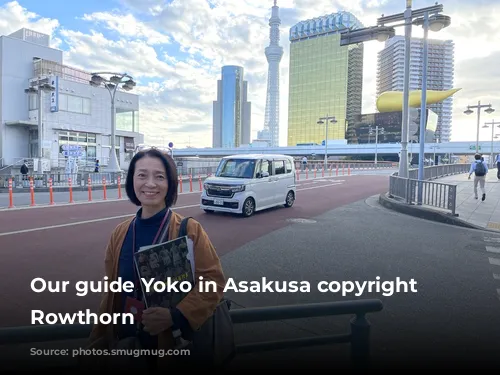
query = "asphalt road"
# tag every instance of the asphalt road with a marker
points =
(68, 242)
(23, 199)
(452, 321)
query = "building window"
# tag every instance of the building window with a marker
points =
(33, 102)
(79, 145)
(75, 104)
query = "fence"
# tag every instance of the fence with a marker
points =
(435, 194)
(358, 337)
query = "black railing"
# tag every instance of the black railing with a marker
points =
(358, 337)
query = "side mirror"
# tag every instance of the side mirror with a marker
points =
(264, 174)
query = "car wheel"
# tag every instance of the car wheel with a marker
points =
(290, 199)
(248, 207)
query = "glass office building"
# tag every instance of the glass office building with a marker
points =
(325, 78)
(362, 129)
(231, 110)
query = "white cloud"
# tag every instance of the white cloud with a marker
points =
(13, 17)
(175, 52)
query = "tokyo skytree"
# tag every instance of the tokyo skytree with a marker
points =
(273, 54)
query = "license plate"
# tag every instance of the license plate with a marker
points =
(218, 202)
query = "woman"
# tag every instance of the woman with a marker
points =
(151, 184)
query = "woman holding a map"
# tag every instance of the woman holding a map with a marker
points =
(151, 184)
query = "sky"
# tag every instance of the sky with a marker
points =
(175, 49)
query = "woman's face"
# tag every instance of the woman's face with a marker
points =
(150, 182)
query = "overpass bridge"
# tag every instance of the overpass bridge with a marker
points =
(457, 148)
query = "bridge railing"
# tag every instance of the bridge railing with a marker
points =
(434, 194)
(358, 337)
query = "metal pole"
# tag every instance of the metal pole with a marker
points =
(492, 135)
(114, 165)
(478, 122)
(40, 129)
(423, 111)
(403, 163)
(326, 142)
(492, 123)
(376, 143)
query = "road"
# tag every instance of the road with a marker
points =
(454, 317)
(68, 242)
(23, 199)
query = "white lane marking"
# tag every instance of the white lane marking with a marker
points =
(118, 217)
(494, 261)
(492, 239)
(492, 249)
(319, 187)
(82, 222)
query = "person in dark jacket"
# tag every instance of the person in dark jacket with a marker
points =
(24, 170)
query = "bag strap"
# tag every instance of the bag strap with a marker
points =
(183, 227)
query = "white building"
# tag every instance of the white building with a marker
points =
(440, 74)
(76, 117)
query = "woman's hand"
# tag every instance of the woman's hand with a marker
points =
(156, 320)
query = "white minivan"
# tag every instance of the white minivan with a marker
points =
(244, 184)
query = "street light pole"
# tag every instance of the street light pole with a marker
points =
(423, 112)
(326, 120)
(382, 32)
(111, 85)
(403, 161)
(492, 123)
(469, 111)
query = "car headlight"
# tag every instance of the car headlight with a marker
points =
(206, 186)
(237, 189)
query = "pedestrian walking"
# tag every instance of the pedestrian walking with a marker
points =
(480, 170)
(497, 161)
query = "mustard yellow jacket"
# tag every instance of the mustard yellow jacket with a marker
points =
(197, 306)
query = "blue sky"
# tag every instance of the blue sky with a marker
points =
(175, 50)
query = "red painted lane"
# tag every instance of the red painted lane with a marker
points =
(75, 253)
(47, 216)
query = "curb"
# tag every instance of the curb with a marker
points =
(427, 213)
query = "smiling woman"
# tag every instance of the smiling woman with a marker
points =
(152, 185)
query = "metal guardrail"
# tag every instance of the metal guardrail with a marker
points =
(358, 337)
(435, 194)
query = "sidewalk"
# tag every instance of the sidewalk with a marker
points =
(484, 214)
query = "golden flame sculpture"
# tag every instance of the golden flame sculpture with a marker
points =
(391, 101)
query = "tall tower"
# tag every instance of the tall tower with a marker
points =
(273, 54)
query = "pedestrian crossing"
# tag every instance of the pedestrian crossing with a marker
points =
(493, 251)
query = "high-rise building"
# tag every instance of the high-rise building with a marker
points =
(325, 78)
(440, 71)
(231, 110)
(274, 53)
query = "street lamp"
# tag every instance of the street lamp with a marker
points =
(111, 84)
(326, 120)
(381, 32)
(377, 131)
(469, 111)
(492, 123)
(38, 87)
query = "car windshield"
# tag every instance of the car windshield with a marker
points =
(239, 168)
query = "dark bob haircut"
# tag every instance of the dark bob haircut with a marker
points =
(170, 168)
